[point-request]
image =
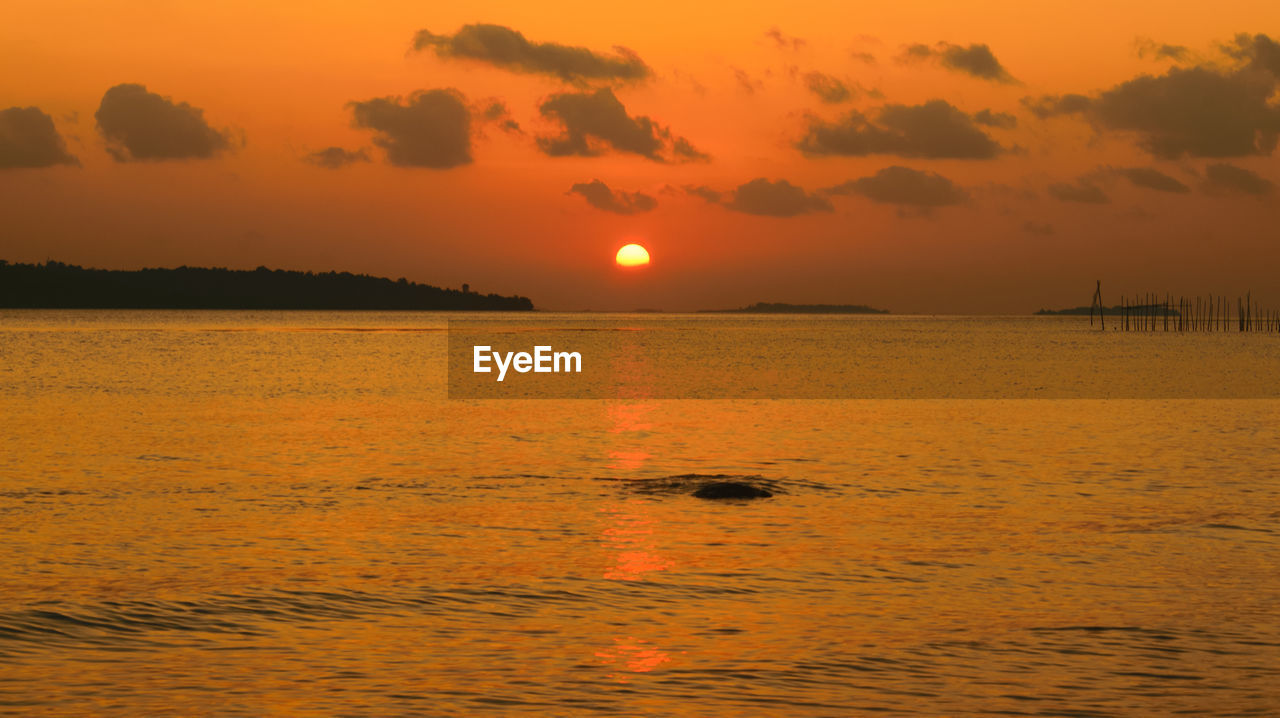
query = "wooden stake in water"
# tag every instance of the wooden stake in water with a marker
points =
(1097, 300)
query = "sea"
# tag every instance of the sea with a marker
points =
(307, 514)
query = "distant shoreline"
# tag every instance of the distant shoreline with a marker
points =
(1086, 311)
(55, 285)
(784, 308)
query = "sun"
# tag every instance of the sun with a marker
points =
(632, 255)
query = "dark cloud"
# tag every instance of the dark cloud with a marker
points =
(706, 193)
(1002, 120)
(599, 195)
(1082, 190)
(785, 42)
(747, 83)
(29, 139)
(1151, 178)
(508, 49)
(684, 151)
(336, 157)
(432, 129)
(1040, 229)
(1047, 106)
(935, 129)
(1201, 111)
(1148, 48)
(1196, 111)
(1224, 179)
(863, 57)
(918, 51)
(1258, 52)
(764, 197)
(829, 89)
(775, 199)
(595, 121)
(904, 186)
(141, 125)
(495, 112)
(975, 59)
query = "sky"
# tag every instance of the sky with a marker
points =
(925, 157)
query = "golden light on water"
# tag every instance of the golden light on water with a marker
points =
(632, 255)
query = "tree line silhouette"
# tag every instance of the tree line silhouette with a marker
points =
(54, 285)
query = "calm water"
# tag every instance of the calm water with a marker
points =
(281, 513)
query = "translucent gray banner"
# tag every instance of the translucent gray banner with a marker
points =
(726, 356)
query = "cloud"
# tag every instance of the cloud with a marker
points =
(976, 60)
(1194, 111)
(599, 195)
(775, 199)
(1259, 52)
(336, 157)
(595, 121)
(904, 186)
(1047, 106)
(1200, 111)
(747, 83)
(432, 129)
(785, 42)
(866, 57)
(684, 151)
(141, 125)
(935, 129)
(29, 139)
(704, 192)
(1082, 190)
(495, 112)
(764, 197)
(1148, 48)
(1225, 179)
(1002, 120)
(829, 89)
(508, 49)
(1151, 178)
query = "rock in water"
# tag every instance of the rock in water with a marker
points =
(731, 490)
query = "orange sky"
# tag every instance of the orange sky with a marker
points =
(276, 80)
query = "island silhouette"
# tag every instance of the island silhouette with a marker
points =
(54, 285)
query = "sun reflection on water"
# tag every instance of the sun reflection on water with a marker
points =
(629, 535)
(632, 655)
(627, 460)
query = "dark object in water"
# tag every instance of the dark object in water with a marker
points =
(741, 486)
(731, 490)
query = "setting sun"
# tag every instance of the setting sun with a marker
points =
(632, 255)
